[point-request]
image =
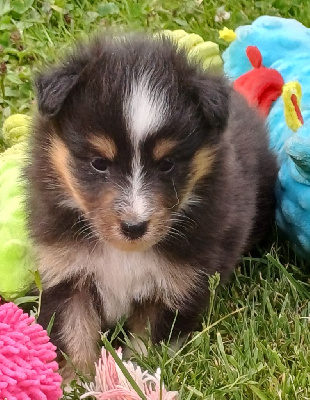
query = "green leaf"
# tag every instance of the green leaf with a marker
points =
(26, 299)
(181, 22)
(92, 16)
(37, 280)
(58, 9)
(14, 79)
(5, 7)
(6, 23)
(11, 92)
(50, 324)
(60, 3)
(107, 9)
(21, 6)
(259, 393)
(300, 288)
(5, 39)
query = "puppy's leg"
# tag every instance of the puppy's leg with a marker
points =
(76, 326)
(137, 323)
(163, 322)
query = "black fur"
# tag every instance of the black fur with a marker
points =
(234, 204)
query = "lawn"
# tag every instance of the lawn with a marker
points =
(255, 339)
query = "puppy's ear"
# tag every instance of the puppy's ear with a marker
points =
(213, 96)
(53, 88)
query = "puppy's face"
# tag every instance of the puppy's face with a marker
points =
(133, 131)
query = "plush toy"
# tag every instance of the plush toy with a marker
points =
(207, 53)
(16, 129)
(27, 369)
(111, 383)
(16, 258)
(284, 48)
(261, 86)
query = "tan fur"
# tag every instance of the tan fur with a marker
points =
(81, 331)
(122, 277)
(201, 166)
(106, 220)
(144, 314)
(104, 145)
(137, 325)
(59, 157)
(163, 147)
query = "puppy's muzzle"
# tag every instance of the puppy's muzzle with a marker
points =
(134, 230)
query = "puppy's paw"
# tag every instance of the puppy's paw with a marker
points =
(137, 345)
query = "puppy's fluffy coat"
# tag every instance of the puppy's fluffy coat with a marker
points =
(145, 176)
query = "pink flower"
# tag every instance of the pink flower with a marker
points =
(27, 369)
(111, 384)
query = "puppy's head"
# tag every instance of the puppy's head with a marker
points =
(130, 131)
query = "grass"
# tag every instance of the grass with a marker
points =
(255, 339)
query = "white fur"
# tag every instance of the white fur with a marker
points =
(145, 110)
(137, 200)
(80, 330)
(145, 107)
(121, 276)
(130, 276)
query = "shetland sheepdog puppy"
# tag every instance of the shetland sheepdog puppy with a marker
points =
(145, 176)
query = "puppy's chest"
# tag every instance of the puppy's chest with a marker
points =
(122, 278)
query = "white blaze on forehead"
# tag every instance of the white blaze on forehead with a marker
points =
(145, 111)
(145, 107)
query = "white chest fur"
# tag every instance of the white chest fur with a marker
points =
(121, 277)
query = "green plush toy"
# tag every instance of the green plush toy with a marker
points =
(207, 53)
(16, 258)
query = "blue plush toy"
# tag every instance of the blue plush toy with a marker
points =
(285, 47)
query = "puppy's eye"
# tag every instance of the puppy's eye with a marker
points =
(166, 165)
(100, 164)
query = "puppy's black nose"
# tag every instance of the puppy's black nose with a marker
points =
(134, 230)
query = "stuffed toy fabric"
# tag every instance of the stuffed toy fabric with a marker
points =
(16, 258)
(207, 53)
(27, 369)
(111, 383)
(284, 46)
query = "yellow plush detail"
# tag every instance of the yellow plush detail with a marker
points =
(190, 40)
(15, 129)
(228, 35)
(176, 35)
(207, 53)
(291, 117)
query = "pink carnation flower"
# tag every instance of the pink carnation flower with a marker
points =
(27, 369)
(111, 384)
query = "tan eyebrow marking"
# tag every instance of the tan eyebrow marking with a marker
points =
(163, 147)
(201, 166)
(59, 157)
(104, 145)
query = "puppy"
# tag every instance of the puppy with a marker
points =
(145, 176)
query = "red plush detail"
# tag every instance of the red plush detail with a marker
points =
(297, 109)
(254, 56)
(260, 86)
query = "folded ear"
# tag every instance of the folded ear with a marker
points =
(53, 88)
(214, 96)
